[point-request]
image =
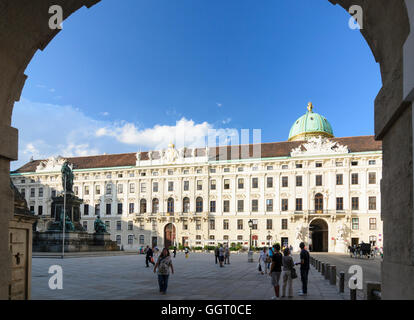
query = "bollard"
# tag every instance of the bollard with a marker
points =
(332, 280)
(373, 290)
(327, 271)
(342, 282)
(353, 294)
(323, 268)
(319, 266)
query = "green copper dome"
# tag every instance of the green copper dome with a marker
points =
(310, 125)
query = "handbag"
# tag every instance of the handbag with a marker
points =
(293, 273)
(259, 267)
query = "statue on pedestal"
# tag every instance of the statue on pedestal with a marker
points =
(99, 225)
(67, 175)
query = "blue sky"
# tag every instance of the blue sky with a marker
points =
(123, 75)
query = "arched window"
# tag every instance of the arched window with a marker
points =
(318, 202)
(170, 205)
(143, 206)
(199, 204)
(186, 205)
(155, 205)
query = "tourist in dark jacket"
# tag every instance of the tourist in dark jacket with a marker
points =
(149, 256)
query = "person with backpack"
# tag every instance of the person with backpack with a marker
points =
(276, 268)
(163, 265)
(149, 256)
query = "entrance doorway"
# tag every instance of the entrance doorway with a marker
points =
(154, 242)
(285, 242)
(319, 235)
(354, 241)
(169, 235)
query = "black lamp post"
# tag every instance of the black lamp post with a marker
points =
(250, 226)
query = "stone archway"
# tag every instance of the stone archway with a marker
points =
(319, 233)
(169, 235)
(24, 29)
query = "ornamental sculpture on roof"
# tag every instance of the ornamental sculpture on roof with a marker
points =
(319, 146)
(51, 164)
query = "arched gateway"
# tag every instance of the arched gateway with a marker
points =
(319, 234)
(169, 235)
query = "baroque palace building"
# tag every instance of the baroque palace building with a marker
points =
(314, 188)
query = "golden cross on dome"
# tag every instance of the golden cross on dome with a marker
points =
(310, 106)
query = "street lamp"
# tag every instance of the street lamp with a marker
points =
(250, 253)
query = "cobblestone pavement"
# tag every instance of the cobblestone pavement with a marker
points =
(197, 278)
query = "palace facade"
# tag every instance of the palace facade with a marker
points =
(314, 188)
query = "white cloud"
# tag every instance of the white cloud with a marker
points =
(219, 104)
(48, 130)
(105, 114)
(226, 121)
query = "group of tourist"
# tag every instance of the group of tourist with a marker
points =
(283, 266)
(222, 255)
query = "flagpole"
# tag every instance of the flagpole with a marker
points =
(64, 218)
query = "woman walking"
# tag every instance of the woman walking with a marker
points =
(163, 264)
(288, 264)
(263, 261)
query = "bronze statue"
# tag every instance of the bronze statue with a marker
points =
(68, 223)
(99, 225)
(68, 175)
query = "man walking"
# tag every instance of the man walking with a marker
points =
(227, 255)
(216, 253)
(149, 256)
(276, 269)
(304, 269)
(221, 255)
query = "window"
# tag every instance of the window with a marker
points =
(85, 225)
(213, 184)
(32, 209)
(119, 225)
(120, 188)
(170, 205)
(318, 202)
(298, 181)
(269, 224)
(143, 174)
(269, 168)
(212, 170)
(155, 173)
(212, 224)
(354, 163)
(130, 239)
(118, 240)
(170, 185)
(269, 205)
(108, 189)
(225, 224)
(23, 193)
(284, 204)
(339, 203)
(97, 209)
(284, 224)
(98, 189)
(131, 175)
(185, 224)
(199, 204)
(240, 169)
(318, 180)
(155, 186)
(269, 182)
(186, 205)
(170, 172)
(199, 171)
(226, 184)
(141, 239)
(131, 207)
(211, 237)
(255, 183)
(299, 206)
(255, 205)
(108, 225)
(120, 175)
(226, 170)
(40, 210)
(339, 164)
(40, 192)
(354, 178)
(285, 166)
(254, 226)
(298, 166)
(186, 171)
(132, 188)
(318, 164)
(284, 182)
(240, 205)
(186, 185)
(240, 238)
(155, 205)
(372, 203)
(372, 223)
(53, 193)
(143, 206)
(371, 162)
(130, 225)
(143, 187)
(355, 223)
(32, 192)
(339, 179)
(239, 224)
(199, 185)
(240, 183)
(355, 203)
(86, 190)
(212, 206)
(226, 206)
(86, 209)
(372, 178)
(198, 224)
(108, 209)
(119, 208)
